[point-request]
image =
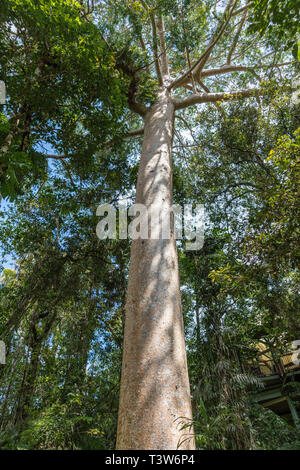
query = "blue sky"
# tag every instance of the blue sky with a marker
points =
(9, 260)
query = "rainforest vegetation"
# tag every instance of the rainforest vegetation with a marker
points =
(100, 95)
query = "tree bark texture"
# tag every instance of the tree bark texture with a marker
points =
(155, 391)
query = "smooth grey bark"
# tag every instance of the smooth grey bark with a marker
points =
(155, 391)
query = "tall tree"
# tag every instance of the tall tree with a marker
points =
(165, 57)
(154, 384)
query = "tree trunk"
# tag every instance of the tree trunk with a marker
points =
(26, 393)
(155, 392)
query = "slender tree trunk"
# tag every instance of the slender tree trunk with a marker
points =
(3, 416)
(155, 390)
(26, 394)
(198, 323)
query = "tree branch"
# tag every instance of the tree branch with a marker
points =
(154, 40)
(132, 90)
(238, 68)
(57, 157)
(199, 64)
(163, 47)
(236, 38)
(214, 97)
(155, 49)
(134, 133)
(240, 10)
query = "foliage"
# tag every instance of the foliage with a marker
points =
(71, 85)
(277, 19)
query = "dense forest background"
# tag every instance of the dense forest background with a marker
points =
(65, 150)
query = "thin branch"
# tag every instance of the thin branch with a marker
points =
(155, 49)
(205, 88)
(145, 6)
(222, 26)
(194, 88)
(163, 47)
(242, 183)
(252, 43)
(143, 45)
(68, 172)
(57, 157)
(240, 10)
(187, 125)
(239, 68)
(134, 133)
(154, 40)
(199, 64)
(236, 38)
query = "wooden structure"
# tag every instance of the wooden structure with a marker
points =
(276, 373)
